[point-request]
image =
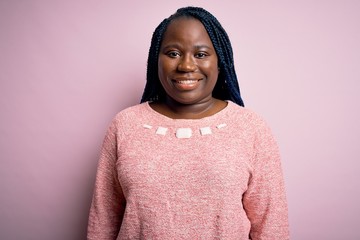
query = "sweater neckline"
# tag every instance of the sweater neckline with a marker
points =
(219, 114)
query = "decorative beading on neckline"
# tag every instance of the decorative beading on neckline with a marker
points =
(184, 132)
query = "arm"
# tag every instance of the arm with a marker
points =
(265, 200)
(108, 202)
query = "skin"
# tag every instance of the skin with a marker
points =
(188, 71)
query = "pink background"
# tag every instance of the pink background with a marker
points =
(67, 67)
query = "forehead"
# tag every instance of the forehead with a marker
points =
(186, 29)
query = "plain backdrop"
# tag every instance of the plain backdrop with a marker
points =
(67, 67)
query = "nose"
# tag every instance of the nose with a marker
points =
(186, 64)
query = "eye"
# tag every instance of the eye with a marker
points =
(173, 54)
(201, 55)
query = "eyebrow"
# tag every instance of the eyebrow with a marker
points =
(178, 46)
(202, 46)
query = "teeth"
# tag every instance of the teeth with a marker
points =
(186, 81)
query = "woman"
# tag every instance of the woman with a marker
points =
(189, 162)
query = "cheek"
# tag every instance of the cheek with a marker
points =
(164, 66)
(213, 70)
(160, 65)
(214, 76)
(161, 73)
(164, 71)
(211, 66)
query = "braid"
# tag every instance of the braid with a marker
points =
(153, 89)
(226, 88)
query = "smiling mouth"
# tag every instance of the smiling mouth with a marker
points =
(186, 82)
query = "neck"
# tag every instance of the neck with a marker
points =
(196, 109)
(176, 110)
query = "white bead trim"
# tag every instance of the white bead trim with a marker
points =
(184, 132)
(161, 131)
(147, 126)
(205, 131)
(221, 125)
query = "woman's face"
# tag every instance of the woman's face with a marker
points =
(188, 64)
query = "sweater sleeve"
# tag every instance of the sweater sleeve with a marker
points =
(265, 200)
(108, 203)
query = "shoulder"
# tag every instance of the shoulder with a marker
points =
(245, 116)
(127, 118)
(133, 110)
(131, 113)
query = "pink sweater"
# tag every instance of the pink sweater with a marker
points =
(213, 178)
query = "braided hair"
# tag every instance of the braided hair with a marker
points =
(226, 87)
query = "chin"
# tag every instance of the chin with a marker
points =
(189, 100)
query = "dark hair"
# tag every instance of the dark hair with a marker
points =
(226, 88)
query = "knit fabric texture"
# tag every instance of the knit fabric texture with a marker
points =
(218, 177)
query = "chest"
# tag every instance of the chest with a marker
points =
(197, 166)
